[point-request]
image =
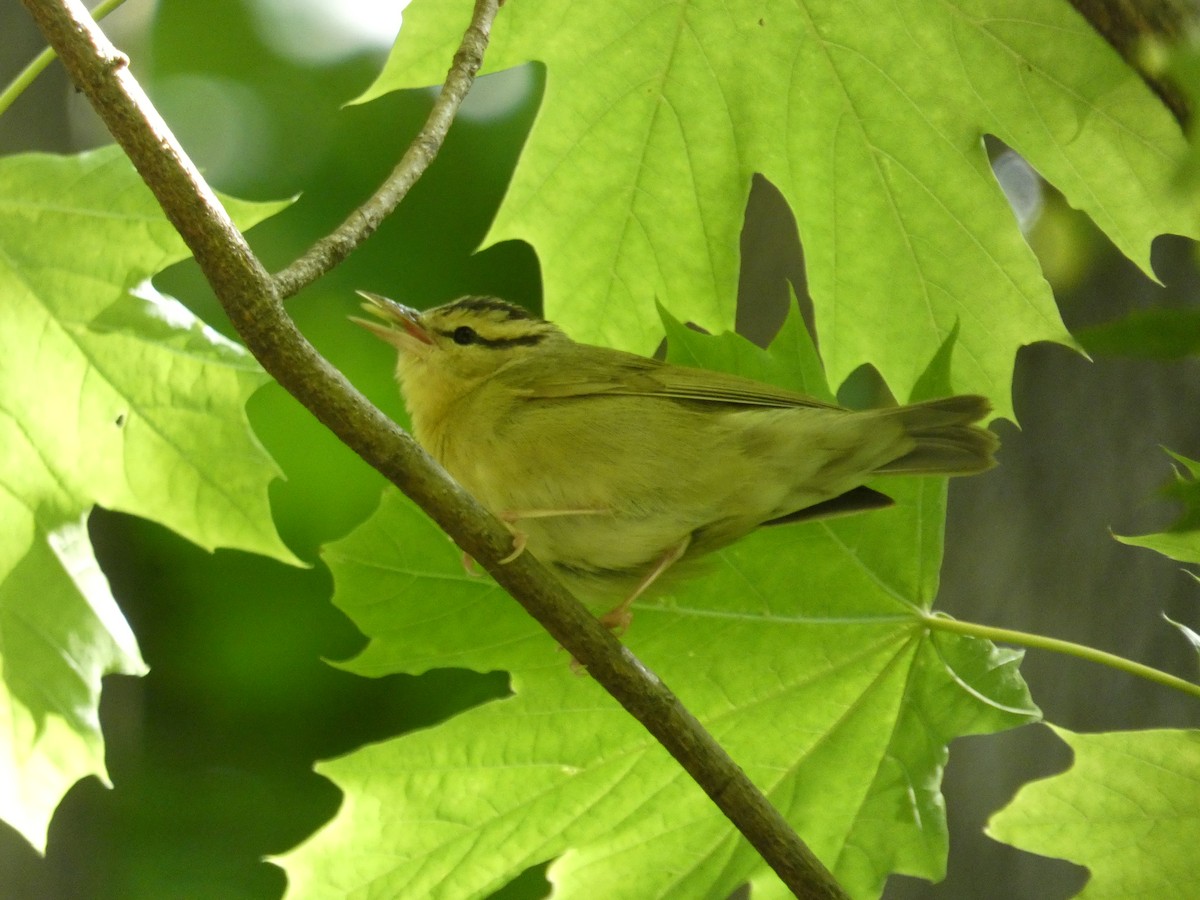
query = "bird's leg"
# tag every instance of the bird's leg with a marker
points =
(511, 516)
(619, 617)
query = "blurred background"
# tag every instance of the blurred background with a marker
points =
(211, 754)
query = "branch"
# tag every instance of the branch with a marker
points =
(252, 300)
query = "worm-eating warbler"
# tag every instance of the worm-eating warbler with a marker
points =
(611, 467)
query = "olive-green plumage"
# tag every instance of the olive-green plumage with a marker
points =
(610, 467)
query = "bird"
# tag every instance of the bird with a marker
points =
(613, 468)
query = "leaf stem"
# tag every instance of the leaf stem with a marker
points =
(942, 622)
(26, 76)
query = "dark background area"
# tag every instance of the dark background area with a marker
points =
(211, 754)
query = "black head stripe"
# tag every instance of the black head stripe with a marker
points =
(509, 311)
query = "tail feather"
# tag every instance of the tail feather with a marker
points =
(947, 440)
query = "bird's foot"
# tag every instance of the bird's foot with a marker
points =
(510, 517)
(520, 539)
(618, 618)
(470, 566)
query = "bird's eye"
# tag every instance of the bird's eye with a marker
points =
(464, 334)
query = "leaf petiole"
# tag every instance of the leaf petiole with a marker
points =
(941, 622)
(25, 77)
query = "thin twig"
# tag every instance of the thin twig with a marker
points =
(361, 224)
(250, 297)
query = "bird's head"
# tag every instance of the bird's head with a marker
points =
(451, 349)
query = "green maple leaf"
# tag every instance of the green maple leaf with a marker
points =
(1182, 540)
(1128, 809)
(869, 119)
(1149, 333)
(112, 395)
(805, 651)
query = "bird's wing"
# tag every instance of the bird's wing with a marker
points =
(586, 371)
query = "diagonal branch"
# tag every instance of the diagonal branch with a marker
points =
(253, 301)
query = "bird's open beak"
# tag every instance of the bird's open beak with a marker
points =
(401, 326)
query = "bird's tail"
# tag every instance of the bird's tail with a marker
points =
(948, 442)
